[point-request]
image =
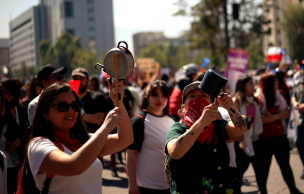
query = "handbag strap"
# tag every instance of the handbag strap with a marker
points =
(49, 177)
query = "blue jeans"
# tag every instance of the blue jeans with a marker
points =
(299, 141)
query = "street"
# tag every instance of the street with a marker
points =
(275, 184)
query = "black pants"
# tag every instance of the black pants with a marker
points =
(282, 156)
(243, 161)
(153, 191)
(12, 178)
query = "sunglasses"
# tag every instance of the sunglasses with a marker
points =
(58, 77)
(64, 107)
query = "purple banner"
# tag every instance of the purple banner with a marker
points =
(237, 59)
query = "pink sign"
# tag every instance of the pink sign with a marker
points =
(237, 59)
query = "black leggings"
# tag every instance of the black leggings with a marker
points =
(12, 179)
(153, 191)
(243, 161)
(282, 156)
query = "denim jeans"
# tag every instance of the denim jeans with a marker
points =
(299, 141)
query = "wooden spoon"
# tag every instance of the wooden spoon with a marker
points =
(116, 68)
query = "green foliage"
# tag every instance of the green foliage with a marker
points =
(207, 28)
(157, 51)
(24, 71)
(86, 59)
(167, 55)
(67, 52)
(256, 56)
(295, 14)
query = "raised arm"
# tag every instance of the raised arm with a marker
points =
(238, 125)
(124, 136)
(61, 163)
(178, 147)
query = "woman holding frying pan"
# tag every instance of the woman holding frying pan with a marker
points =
(198, 155)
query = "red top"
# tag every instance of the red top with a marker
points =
(275, 128)
(175, 101)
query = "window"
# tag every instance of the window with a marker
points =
(90, 5)
(68, 9)
(90, 14)
(91, 33)
(91, 23)
(71, 31)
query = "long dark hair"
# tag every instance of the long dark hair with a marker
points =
(43, 128)
(266, 84)
(151, 88)
(45, 100)
(13, 89)
(31, 93)
(240, 89)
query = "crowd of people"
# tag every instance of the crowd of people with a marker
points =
(176, 138)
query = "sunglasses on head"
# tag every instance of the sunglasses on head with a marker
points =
(58, 77)
(64, 107)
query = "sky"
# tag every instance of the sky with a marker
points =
(130, 16)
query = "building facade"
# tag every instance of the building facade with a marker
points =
(4, 52)
(143, 39)
(92, 20)
(278, 36)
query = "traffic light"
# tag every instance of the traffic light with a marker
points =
(235, 11)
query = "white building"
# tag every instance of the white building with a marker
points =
(92, 20)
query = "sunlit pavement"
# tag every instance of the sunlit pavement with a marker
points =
(275, 184)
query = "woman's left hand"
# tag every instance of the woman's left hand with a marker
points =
(13, 145)
(226, 101)
(112, 90)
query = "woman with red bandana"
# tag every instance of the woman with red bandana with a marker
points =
(61, 155)
(197, 145)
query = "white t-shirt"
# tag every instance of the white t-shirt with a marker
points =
(32, 108)
(150, 168)
(89, 182)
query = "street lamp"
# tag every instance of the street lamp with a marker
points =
(287, 23)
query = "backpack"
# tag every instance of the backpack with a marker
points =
(26, 182)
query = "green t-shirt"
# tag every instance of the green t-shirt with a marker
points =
(203, 168)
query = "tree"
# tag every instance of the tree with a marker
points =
(86, 59)
(208, 32)
(158, 51)
(295, 14)
(67, 52)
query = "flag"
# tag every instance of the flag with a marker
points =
(205, 63)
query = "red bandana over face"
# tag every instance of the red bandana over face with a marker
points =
(73, 144)
(193, 112)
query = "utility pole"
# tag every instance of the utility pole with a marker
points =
(226, 24)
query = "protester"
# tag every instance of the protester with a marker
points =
(33, 91)
(58, 124)
(3, 173)
(93, 103)
(245, 146)
(94, 85)
(175, 100)
(201, 166)
(298, 104)
(273, 140)
(145, 156)
(14, 130)
(46, 76)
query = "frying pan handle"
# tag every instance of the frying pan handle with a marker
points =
(99, 66)
(124, 43)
